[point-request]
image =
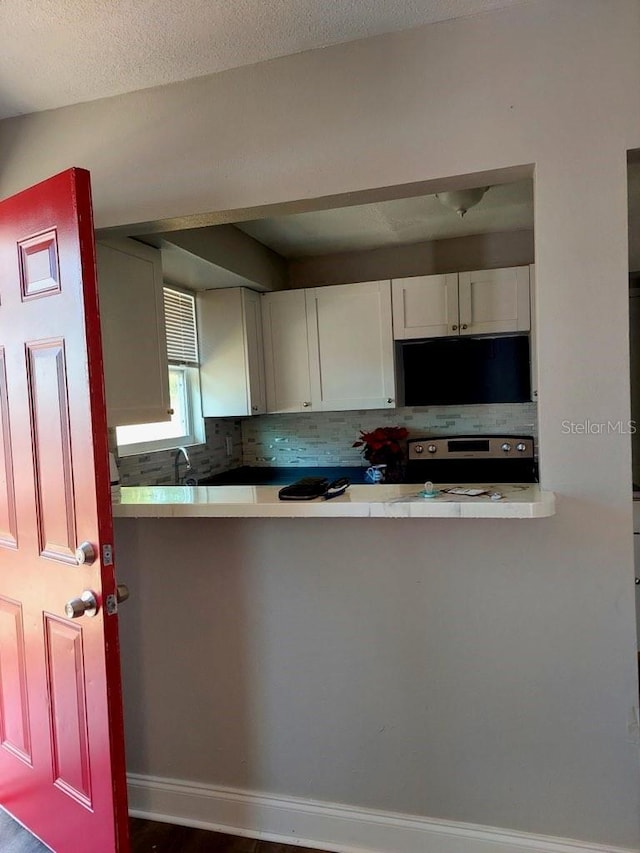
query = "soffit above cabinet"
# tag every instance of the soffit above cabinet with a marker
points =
(218, 257)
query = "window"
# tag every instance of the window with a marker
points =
(186, 425)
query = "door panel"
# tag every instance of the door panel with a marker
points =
(61, 735)
(14, 702)
(68, 708)
(8, 528)
(50, 429)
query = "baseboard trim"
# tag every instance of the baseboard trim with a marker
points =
(328, 826)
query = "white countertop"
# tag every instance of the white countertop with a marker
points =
(379, 501)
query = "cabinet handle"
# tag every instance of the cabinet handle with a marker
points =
(254, 408)
(389, 399)
(454, 328)
(170, 412)
(306, 405)
(464, 326)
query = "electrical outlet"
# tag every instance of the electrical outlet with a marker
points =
(228, 443)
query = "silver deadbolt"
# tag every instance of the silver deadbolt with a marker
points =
(86, 605)
(111, 602)
(85, 554)
(122, 592)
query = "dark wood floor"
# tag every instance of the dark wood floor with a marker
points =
(148, 836)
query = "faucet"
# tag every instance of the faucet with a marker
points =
(180, 452)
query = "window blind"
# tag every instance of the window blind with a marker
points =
(180, 321)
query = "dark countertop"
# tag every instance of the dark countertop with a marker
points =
(259, 476)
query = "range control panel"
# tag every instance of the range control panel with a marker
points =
(472, 447)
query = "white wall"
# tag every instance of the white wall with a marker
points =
(457, 254)
(500, 656)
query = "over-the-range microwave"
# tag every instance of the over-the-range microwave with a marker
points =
(455, 371)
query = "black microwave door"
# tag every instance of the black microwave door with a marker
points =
(451, 371)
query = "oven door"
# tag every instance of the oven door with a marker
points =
(487, 471)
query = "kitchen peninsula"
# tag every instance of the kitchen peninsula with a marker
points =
(379, 501)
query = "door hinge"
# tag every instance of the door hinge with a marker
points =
(111, 605)
(107, 555)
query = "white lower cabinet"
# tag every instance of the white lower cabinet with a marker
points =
(136, 372)
(231, 353)
(286, 351)
(351, 346)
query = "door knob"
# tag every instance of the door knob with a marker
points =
(86, 605)
(85, 554)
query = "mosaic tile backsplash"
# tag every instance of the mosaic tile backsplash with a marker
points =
(325, 438)
(157, 469)
(321, 438)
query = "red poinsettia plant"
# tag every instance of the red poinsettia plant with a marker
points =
(383, 446)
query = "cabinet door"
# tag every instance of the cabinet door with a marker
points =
(533, 337)
(252, 317)
(494, 301)
(230, 343)
(351, 346)
(286, 351)
(636, 548)
(136, 372)
(425, 306)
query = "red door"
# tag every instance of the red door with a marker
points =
(61, 736)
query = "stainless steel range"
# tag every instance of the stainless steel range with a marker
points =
(472, 459)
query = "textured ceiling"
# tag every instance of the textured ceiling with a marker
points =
(59, 52)
(508, 207)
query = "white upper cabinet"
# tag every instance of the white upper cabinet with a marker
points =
(231, 353)
(136, 372)
(425, 306)
(351, 346)
(252, 313)
(533, 337)
(286, 351)
(493, 301)
(467, 303)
